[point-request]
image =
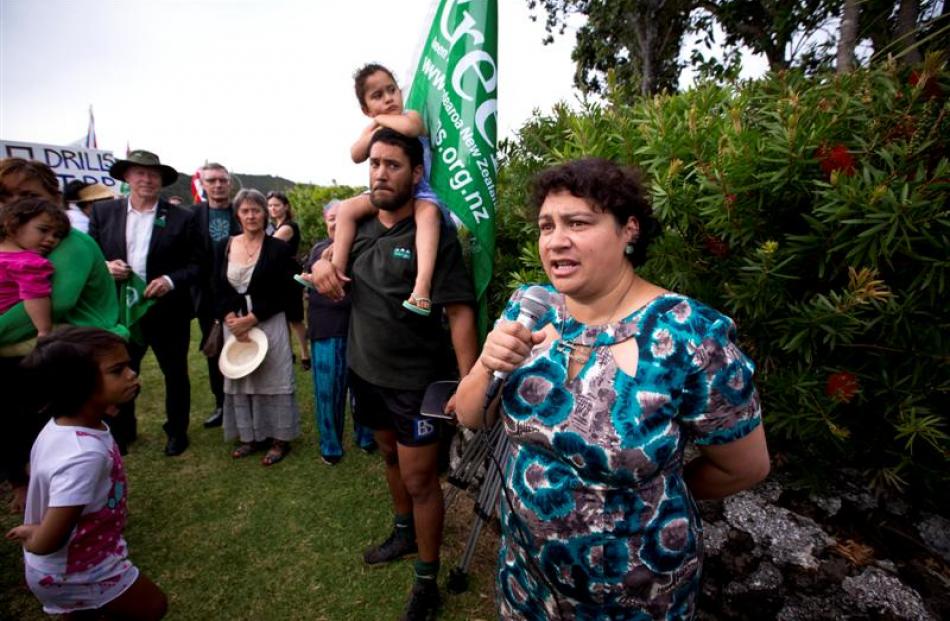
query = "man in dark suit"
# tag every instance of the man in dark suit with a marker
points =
(157, 241)
(216, 222)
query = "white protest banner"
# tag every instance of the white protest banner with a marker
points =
(89, 165)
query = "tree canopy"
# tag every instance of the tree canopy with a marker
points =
(636, 44)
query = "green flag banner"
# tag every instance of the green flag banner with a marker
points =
(133, 305)
(455, 91)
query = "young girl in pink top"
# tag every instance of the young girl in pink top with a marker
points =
(29, 230)
(75, 555)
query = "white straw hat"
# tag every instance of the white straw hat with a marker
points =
(240, 358)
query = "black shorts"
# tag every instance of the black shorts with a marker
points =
(391, 408)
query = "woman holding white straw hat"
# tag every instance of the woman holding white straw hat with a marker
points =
(254, 288)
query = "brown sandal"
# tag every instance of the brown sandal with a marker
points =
(276, 453)
(245, 449)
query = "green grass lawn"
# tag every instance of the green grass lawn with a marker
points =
(229, 539)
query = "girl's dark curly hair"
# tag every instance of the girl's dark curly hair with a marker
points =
(16, 214)
(606, 186)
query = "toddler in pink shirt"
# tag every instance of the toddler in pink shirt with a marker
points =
(30, 229)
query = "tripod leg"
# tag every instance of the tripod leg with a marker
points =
(473, 459)
(463, 475)
(472, 456)
(485, 507)
(458, 576)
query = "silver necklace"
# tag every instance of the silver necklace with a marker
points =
(251, 253)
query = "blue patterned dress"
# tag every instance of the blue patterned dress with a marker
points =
(597, 522)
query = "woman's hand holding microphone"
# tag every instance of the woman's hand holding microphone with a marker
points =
(507, 346)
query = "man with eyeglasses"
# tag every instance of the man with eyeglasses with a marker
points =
(216, 223)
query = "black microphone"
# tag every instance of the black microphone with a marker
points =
(533, 307)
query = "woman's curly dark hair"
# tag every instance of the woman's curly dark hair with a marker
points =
(607, 187)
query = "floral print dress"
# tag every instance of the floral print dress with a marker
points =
(597, 521)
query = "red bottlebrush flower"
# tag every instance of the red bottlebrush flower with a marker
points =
(835, 158)
(903, 129)
(717, 246)
(842, 386)
(931, 88)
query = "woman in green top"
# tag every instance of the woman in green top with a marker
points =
(83, 291)
(83, 294)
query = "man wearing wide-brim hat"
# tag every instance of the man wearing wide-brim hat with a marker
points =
(144, 237)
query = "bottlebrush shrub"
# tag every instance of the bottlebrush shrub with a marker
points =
(813, 210)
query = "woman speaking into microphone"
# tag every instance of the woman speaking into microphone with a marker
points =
(601, 399)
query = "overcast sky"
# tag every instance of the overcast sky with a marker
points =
(263, 86)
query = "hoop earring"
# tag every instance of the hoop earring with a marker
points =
(629, 248)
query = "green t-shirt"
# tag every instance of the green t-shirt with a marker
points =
(84, 292)
(388, 345)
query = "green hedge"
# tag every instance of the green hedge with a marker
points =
(307, 202)
(814, 211)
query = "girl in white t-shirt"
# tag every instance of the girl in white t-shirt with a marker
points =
(76, 558)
